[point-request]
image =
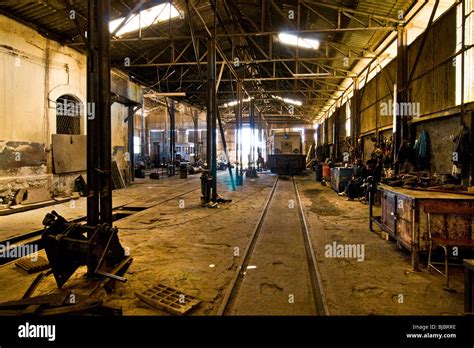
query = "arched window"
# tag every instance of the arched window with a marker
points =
(68, 115)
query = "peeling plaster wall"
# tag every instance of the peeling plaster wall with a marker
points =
(34, 72)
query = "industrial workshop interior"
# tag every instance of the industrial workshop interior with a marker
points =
(271, 158)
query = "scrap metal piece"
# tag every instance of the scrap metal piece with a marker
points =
(35, 284)
(168, 299)
(55, 300)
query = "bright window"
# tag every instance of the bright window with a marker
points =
(348, 118)
(468, 56)
(136, 145)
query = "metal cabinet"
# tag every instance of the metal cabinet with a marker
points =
(340, 176)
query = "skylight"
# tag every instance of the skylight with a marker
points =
(294, 40)
(145, 18)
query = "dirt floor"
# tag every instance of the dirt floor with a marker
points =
(182, 245)
(383, 283)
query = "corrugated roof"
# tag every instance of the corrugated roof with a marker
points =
(50, 17)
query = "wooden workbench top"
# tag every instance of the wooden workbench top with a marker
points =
(416, 194)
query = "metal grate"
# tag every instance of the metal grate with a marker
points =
(33, 266)
(68, 115)
(168, 299)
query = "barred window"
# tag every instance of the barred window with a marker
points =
(68, 115)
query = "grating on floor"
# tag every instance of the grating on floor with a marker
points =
(33, 265)
(168, 299)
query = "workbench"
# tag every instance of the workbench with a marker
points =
(404, 219)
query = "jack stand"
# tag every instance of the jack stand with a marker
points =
(206, 184)
(251, 173)
(70, 245)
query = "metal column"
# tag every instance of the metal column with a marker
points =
(355, 117)
(171, 110)
(208, 178)
(238, 136)
(196, 130)
(213, 106)
(401, 121)
(99, 139)
(131, 134)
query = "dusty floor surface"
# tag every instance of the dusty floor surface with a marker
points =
(193, 249)
(383, 283)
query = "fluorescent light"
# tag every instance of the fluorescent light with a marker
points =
(143, 19)
(165, 94)
(288, 100)
(235, 102)
(312, 74)
(294, 40)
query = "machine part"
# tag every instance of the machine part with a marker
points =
(287, 157)
(168, 299)
(108, 284)
(30, 266)
(183, 170)
(56, 299)
(206, 184)
(70, 245)
(80, 186)
(195, 170)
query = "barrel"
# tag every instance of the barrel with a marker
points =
(326, 171)
(183, 170)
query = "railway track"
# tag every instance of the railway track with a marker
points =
(278, 264)
(32, 239)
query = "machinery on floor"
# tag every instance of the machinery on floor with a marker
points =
(70, 245)
(286, 157)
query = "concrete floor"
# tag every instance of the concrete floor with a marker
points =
(192, 249)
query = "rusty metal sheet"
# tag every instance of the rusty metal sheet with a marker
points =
(69, 153)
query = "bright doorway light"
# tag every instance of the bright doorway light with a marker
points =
(294, 40)
(145, 18)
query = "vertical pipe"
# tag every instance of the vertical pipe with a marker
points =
(238, 135)
(99, 138)
(241, 128)
(196, 130)
(252, 134)
(213, 103)
(131, 133)
(92, 118)
(210, 106)
(143, 135)
(172, 137)
(105, 131)
(463, 59)
(401, 127)
(355, 114)
(236, 143)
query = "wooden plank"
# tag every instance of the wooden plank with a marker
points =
(117, 177)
